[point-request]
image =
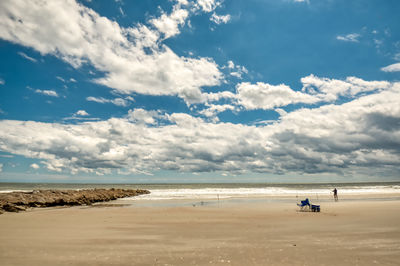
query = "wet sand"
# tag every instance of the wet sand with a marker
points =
(351, 232)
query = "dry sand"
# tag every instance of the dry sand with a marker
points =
(247, 233)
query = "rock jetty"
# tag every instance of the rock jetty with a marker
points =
(20, 201)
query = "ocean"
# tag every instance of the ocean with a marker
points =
(226, 191)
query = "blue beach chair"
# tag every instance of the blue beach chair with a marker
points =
(304, 205)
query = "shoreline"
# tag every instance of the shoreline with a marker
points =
(137, 203)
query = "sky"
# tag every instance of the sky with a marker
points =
(182, 91)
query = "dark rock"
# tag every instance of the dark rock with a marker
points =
(12, 208)
(19, 201)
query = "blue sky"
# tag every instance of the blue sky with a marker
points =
(199, 91)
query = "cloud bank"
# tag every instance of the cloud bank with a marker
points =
(361, 136)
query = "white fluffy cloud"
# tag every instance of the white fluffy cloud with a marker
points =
(34, 166)
(47, 92)
(360, 136)
(216, 96)
(392, 68)
(266, 96)
(140, 115)
(235, 70)
(330, 89)
(315, 90)
(116, 101)
(81, 113)
(133, 59)
(208, 5)
(27, 57)
(220, 19)
(169, 24)
(213, 109)
(352, 37)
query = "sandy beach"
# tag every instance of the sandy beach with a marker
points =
(355, 232)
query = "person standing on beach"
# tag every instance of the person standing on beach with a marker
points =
(335, 194)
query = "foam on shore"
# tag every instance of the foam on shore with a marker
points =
(226, 193)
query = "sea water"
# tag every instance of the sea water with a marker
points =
(224, 191)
